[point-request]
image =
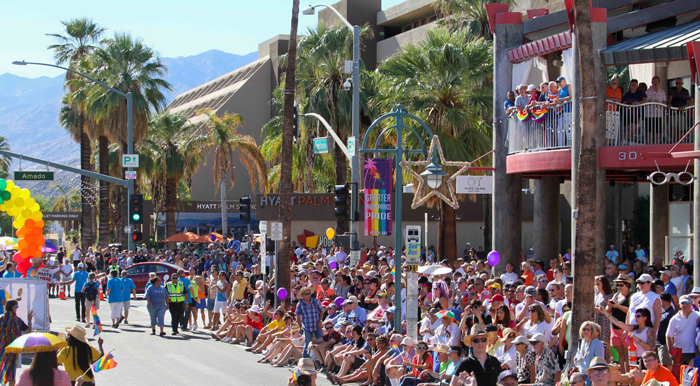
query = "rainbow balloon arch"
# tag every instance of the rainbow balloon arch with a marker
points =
(28, 220)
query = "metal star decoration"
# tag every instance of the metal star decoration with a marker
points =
(418, 198)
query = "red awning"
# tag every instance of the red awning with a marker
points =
(554, 43)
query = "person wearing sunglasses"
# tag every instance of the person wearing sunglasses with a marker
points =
(546, 366)
(598, 373)
(619, 305)
(641, 333)
(680, 334)
(589, 347)
(482, 366)
(645, 298)
(423, 360)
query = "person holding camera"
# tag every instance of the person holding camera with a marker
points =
(304, 374)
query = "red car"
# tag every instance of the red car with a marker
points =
(140, 273)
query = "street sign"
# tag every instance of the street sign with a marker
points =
(127, 229)
(263, 247)
(474, 185)
(412, 253)
(352, 146)
(62, 216)
(130, 160)
(60, 241)
(33, 175)
(130, 175)
(354, 257)
(322, 145)
(276, 231)
(412, 234)
(263, 227)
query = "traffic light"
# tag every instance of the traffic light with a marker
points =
(244, 208)
(342, 202)
(137, 236)
(136, 209)
(296, 121)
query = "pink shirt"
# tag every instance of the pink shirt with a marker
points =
(60, 378)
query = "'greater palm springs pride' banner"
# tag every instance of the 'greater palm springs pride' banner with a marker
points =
(379, 196)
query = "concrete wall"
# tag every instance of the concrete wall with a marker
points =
(252, 102)
(406, 11)
(553, 5)
(392, 46)
(358, 12)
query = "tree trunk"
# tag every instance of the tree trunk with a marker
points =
(487, 222)
(170, 209)
(447, 232)
(86, 229)
(224, 217)
(341, 178)
(104, 192)
(285, 206)
(588, 221)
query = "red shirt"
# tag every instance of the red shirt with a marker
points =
(257, 325)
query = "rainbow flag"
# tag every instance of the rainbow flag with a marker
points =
(538, 115)
(96, 320)
(523, 115)
(105, 363)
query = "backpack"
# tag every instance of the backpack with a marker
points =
(91, 291)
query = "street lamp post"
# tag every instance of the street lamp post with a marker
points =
(354, 161)
(130, 120)
(433, 175)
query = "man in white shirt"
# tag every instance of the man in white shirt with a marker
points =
(538, 268)
(655, 113)
(681, 329)
(340, 256)
(76, 256)
(509, 276)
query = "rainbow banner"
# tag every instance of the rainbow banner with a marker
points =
(379, 196)
(107, 362)
(539, 114)
(96, 320)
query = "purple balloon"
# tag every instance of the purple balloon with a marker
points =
(212, 237)
(333, 265)
(339, 302)
(493, 258)
(282, 293)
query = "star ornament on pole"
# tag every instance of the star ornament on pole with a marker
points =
(434, 175)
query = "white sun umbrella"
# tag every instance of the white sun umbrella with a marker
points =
(429, 269)
(442, 271)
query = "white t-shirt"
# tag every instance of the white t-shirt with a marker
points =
(506, 357)
(341, 256)
(433, 326)
(543, 328)
(639, 301)
(520, 306)
(446, 335)
(66, 272)
(682, 329)
(76, 255)
(509, 277)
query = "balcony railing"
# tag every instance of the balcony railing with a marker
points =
(645, 124)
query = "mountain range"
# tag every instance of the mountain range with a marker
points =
(29, 111)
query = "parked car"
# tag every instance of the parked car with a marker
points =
(140, 273)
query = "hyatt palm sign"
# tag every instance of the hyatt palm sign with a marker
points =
(33, 175)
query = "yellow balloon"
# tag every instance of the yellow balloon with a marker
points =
(36, 216)
(20, 222)
(330, 232)
(25, 193)
(14, 211)
(27, 213)
(35, 208)
(29, 203)
(2, 208)
(10, 185)
(19, 202)
(15, 191)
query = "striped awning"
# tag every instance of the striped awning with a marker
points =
(554, 43)
(663, 46)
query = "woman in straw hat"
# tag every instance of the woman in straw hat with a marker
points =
(618, 306)
(505, 353)
(79, 355)
(44, 372)
(11, 328)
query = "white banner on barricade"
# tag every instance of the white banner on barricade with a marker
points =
(34, 297)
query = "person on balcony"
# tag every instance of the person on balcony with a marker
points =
(680, 98)
(509, 107)
(655, 113)
(612, 94)
(632, 116)
(565, 95)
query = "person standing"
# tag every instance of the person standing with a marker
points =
(11, 328)
(309, 316)
(78, 356)
(76, 256)
(156, 297)
(91, 292)
(655, 114)
(44, 371)
(80, 277)
(483, 366)
(645, 298)
(128, 288)
(680, 334)
(189, 299)
(176, 301)
(115, 298)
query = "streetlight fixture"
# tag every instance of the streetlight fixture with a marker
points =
(354, 160)
(434, 174)
(129, 111)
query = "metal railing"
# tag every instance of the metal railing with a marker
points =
(644, 124)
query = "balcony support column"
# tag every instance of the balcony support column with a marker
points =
(696, 185)
(598, 29)
(658, 221)
(546, 213)
(507, 197)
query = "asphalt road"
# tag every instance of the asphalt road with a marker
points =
(186, 359)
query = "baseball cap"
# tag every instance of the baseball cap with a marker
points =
(684, 299)
(559, 79)
(539, 262)
(538, 338)
(666, 272)
(81, 265)
(505, 374)
(622, 266)
(646, 278)
(495, 285)
(531, 87)
(520, 340)
(530, 290)
(496, 298)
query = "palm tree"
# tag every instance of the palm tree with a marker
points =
(445, 80)
(224, 141)
(5, 161)
(66, 201)
(176, 149)
(319, 83)
(81, 38)
(127, 65)
(468, 15)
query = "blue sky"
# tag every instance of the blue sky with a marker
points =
(172, 27)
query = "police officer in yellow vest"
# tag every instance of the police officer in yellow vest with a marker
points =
(176, 300)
